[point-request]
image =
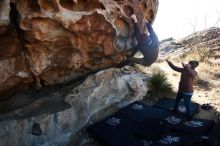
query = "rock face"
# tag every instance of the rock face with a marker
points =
(107, 87)
(50, 42)
(47, 42)
(112, 88)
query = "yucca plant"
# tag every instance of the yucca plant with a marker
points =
(159, 85)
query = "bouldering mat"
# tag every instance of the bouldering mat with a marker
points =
(166, 140)
(214, 134)
(190, 127)
(139, 111)
(114, 131)
(118, 131)
(173, 121)
(201, 141)
(168, 104)
(139, 124)
(215, 131)
(121, 128)
(152, 128)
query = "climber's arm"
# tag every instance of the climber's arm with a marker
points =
(137, 32)
(152, 39)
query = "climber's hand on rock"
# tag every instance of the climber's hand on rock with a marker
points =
(134, 17)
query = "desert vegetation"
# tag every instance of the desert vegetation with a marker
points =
(199, 54)
(159, 85)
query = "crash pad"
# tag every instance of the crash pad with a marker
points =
(139, 111)
(168, 104)
(190, 127)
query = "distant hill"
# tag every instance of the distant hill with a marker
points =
(209, 38)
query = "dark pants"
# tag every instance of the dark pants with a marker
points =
(187, 102)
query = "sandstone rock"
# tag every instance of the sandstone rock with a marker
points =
(47, 42)
(13, 67)
(12, 72)
(40, 124)
(61, 40)
(109, 86)
(4, 14)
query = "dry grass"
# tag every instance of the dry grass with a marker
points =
(203, 84)
(199, 54)
(208, 71)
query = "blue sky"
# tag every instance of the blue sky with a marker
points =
(179, 18)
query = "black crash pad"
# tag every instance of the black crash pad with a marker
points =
(117, 131)
(182, 140)
(214, 134)
(166, 140)
(169, 140)
(201, 141)
(215, 131)
(127, 127)
(114, 131)
(168, 104)
(173, 121)
(190, 127)
(151, 128)
(123, 127)
(139, 111)
(195, 140)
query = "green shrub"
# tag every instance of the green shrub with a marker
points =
(159, 85)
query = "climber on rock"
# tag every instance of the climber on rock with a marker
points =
(147, 44)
